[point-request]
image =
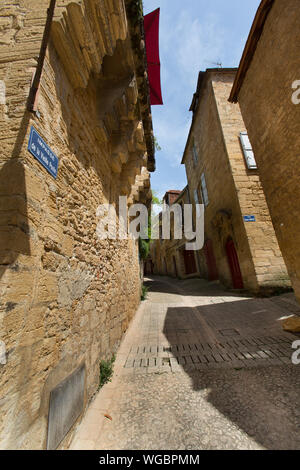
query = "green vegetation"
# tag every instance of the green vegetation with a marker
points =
(106, 371)
(144, 248)
(144, 243)
(156, 145)
(155, 198)
(136, 11)
(144, 293)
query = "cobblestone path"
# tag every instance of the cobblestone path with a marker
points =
(200, 368)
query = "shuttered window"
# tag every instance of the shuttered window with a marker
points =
(197, 202)
(204, 191)
(195, 154)
(248, 152)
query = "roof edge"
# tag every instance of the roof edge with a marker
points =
(202, 78)
(181, 194)
(135, 17)
(250, 47)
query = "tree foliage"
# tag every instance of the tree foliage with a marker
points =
(156, 145)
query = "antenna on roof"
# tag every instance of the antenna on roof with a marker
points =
(219, 64)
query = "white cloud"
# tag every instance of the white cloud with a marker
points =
(185, 45)
(200, 44)
(193, 35)
(190, 43)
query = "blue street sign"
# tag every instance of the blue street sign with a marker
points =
(249, 218)
(42, 152)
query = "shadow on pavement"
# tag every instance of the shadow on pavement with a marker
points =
(263, 401)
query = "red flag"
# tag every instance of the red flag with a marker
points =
(151, 25)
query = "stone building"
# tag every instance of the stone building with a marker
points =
(170, 257)
(66, 295)
(267, 88)
(241, 249)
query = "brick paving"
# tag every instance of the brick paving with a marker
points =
(198, 354)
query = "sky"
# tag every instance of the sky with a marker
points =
(194, 35)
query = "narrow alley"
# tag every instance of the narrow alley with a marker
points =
(200, 368)
(149, 228)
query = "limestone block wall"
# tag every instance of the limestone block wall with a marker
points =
(155, 253)
(178, 254)
(232, 190)
(272, 121)
(163, 252)
(66, 296)
(268, 262)
(213, 161)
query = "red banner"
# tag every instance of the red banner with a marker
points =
(151, 25)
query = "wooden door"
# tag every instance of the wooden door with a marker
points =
(236, 274)
(189, 262)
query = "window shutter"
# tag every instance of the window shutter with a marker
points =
(248, 152)
(204, 190)
(195, 154)
(197, 202)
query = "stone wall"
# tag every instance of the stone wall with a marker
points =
(67, 297)
(273, 125)
(269, 265)
(164, 252)
(233, 190)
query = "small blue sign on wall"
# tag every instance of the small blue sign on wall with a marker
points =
(249, 218)
(42, 152)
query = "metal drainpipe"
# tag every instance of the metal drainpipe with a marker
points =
(37, 77)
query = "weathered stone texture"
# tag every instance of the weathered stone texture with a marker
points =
(168, 255)
(233, 190)
(272, 121)
(66, 296)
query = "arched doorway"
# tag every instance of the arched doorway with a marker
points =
(236, 274)
(211, 261)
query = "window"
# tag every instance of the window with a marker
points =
(196, 197)
(195, 153)
(188, 196)
(248, 152)
(182, 213)
(204, 190)
(197, 201)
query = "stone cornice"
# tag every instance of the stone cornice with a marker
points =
(135, 17)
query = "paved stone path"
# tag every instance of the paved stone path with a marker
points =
(200, 368)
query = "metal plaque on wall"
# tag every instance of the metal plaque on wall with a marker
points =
(66, 405)
(42, 152)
